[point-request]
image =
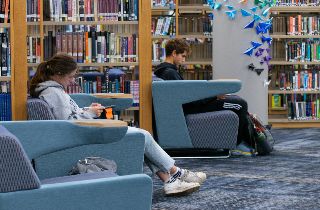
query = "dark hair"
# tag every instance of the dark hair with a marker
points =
(179, 45)
(59, 64)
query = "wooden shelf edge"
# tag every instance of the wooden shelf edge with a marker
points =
(283, 36)
(293, 63)
(297, 9)
(133, 108)
(5, 79)
(4, 25)
(293, 91)
(285, 123)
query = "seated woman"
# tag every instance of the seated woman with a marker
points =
(49, 84)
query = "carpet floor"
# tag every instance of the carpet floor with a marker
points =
(287, 179)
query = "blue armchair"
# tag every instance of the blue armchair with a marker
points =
(38, 109)
(36, 157)
(212, 130)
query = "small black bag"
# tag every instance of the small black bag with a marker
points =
(261, 137)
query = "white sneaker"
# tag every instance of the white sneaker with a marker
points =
(189, 176)
(179, 187)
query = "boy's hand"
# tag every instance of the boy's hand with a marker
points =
(221, 97)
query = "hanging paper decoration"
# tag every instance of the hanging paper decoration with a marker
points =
(266, 39)
(258, 29)
(257, 2)
(251, 66)
(265, 12)
(243, 1)
(250, 25)
(255, 45)
(231, 14)
(249, 51)
(210, 3)
(217, 6)
(256, 17)
(229, 7)
(245, 13)
(254, 9)
(259, 71)
(258, 53)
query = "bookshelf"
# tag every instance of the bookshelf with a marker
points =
(190, 20)
(294, 91)
(37, 27)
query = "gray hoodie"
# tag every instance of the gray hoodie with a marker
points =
(62, 105)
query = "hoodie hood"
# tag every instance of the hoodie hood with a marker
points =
(44, 85)
(164, 66)
(167, 71)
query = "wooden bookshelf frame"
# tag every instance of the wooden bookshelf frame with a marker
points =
(296, 9)
(283, 122)
(18, 32)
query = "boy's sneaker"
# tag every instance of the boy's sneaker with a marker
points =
(243, 150)
(189, 176)
(179, 187)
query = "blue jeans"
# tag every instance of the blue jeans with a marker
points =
(155, 157)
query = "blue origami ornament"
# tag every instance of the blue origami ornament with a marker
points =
(265, 12)
(250, 25)
(231, 14)
(255, 45)
(245, 13)
(254, 9)
(266, 39)
(229, 7)
(217, 6)
(265, 26)
(211, 3)
(256, 17)
(258, 30)
(249, 51)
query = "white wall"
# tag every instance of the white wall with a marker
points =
(230, 40)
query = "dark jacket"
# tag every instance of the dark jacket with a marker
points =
(167, 71)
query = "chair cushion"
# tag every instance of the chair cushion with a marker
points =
(79, 177)
(16, 170)
(213, 130)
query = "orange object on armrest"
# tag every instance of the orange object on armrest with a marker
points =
(109, 113)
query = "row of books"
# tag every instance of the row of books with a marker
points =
(296, 25)
(86, 47)
(5, 106)
(193, 2)
(201, 50)
(303, 107)
(5, 62)
(292, 50)
(196, 24)
(163, 26)
(297, 80)
(4, 11)
(97, 82)
(302, 51)
(297, 3)
(163, 3)
(196, 72)
(83, 10)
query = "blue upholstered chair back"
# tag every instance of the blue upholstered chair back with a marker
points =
(168, 98)
(38, 109)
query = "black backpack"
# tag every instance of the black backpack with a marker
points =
(260, 136)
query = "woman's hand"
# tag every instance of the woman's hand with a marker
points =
(96, 108)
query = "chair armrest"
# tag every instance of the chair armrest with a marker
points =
(121, 193)
(45, 136)
(83, 100)
(184, 91)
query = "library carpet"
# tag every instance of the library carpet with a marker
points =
(287, 179)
